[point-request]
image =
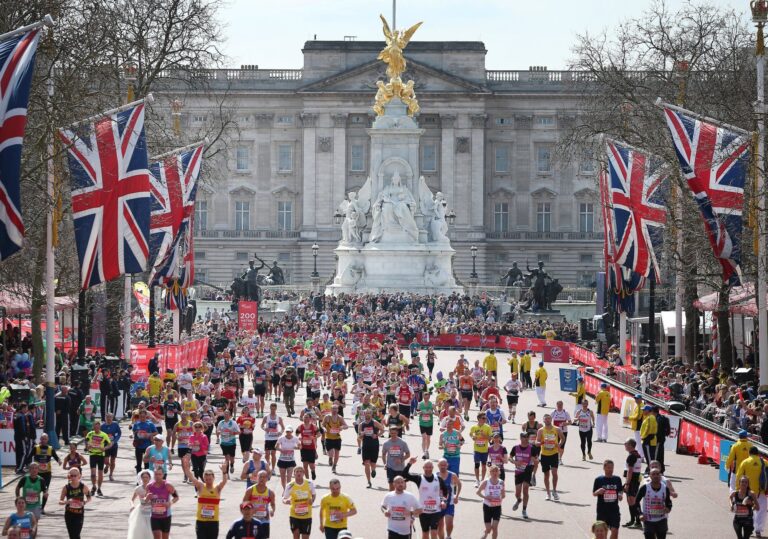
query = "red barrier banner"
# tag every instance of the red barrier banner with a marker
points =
(556, 353)
(699, 440)
(248, 315)
(170, 356)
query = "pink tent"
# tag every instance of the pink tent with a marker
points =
(16, 304)
(742, 300)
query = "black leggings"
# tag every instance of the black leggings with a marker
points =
(198, 466)
(139, 453)
(586, 441)
(744, 528)
(655, 530)
(207, 530)
(74, 524)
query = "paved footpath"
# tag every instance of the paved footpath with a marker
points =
(701, 510)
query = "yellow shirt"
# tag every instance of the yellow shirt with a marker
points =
(581, 392)
(301, 499)
(636, 417)
(188, 405)
(549, 441)
(525, 363)
(154, 386)
(739, 453)
(603, 402)
(750, 468)
(208, 504)
(481, 434)
(541, 377)
(514, 364)
(334, 509)
(649, 428)
(325, 407)
(441, 398)
(490, 363)
(332, 428)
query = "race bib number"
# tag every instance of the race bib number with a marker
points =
(159, 508)
(494, 501)
(207, 511)
(260, 511)
(32, 497)
(452, 448)
(426, 418)
(521, 465)
(74, 503)
(301, 508)
(430, 506)
(394, 452)
(336, 516)
(43, 466)
(610, 496)
(195, 447)
(398, 513)
(334, 430)
(742, 510)
(549, 442)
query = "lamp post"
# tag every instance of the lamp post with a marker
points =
(315, 249)
(473, 250)
(760, 17)
(338, 217)
(450, 217)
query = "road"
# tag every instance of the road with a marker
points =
(700, 510)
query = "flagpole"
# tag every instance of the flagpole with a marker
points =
(46, 21)
(180, 150)
(759, 16)
(50, 337)
(661, 104)
(148, 99)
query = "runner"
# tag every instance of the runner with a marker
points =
(394, 454)
(300, 495)
(308, 434)
(43, 453)
(74, 495)
(450, 442)
(404, 395)
(743, 504)
(263, 500)
(333, 425)
(273, 428)
(259, 375)
(226, 435)
(497, 455)
(162, 496)
(33, 489)
(288, 382)
(513, 387)
(208, 499)
(525, 456)
(396, 419)
(494, 416)
(171, 411)
(585, 419)
(247, 527)
(561, 419)
(158, 456)
(654, 504)
(246, 423)
(482, 435)
(73, 459)
(183, 431)
(609, 492)
(426, 411)
(97, 443)
(198, 447)
(112, 429)
(633, 472)
(466, 389)
(454, 483)
(254, 465)
(335, 509)
(286, 446)
(143, 431)
(400, 507)
(369, 431)
(433, 497)
(549, 439)
(491, 490)
(22, 520)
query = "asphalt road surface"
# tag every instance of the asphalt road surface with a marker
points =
(701, 510)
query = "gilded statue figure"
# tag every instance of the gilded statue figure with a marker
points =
(392, 55)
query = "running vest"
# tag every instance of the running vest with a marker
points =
(559, 417)
(183, 433)
(522, 458)
(24, 522)
(549, 442)
(654, 503)
(451, 445)
(251, 470)
(301, 500)
(76, 497)
(494, 420)
(493, 493)
(429, 494)
(369, 432)
(43, 456)
(260, 501)
(333, 431)
(584, 420)
(532, 430)
(637, 468)
(741, 511)
(162, 497)
(208, 504)
(272, 426)
(33, 491)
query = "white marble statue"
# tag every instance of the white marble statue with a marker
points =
(435, 276)
(353, 273)
(354, 221)
(394, 208)
(438, 227)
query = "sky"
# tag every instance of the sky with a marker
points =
(517, 33)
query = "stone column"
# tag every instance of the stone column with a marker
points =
(447, 159)
(477, 174)
(263, 211)
(309, 179)
(339, 182)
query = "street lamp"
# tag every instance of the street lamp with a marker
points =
(338, 217)
(760, 17)
(473, 250)
(129, 74)
(315, 249)
(176, 106)
(450, 217)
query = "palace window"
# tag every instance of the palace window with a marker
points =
(242, 215)
(284, 215)
(285, 158)
(501, 217)
(544, 217)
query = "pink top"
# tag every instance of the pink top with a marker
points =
(198, 444)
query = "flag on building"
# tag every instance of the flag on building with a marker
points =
(174, 187)
(17, 62)
(110, 194)
(636, 181)
(714, 160)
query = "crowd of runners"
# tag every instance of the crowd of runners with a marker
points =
(378, 390)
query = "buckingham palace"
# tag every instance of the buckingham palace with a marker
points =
(489, 144)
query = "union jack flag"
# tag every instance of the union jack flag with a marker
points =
(636, 183)
(714, 161)
(17, 62)
(174, 187)
(110, 195)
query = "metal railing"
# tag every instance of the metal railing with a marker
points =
(235, 74)
(539, 236)
(258, 234)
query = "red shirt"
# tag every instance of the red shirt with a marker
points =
(307, 435)
(246, 422)
(490, 391)
(404, 395)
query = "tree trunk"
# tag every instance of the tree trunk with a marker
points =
(691, 314)
(114, 298)
(724, 331)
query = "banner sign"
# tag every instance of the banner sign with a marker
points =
(248, 315)
(141, 292)
(699, 440)
(170, 356)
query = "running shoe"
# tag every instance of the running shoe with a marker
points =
(314, 475)
(555, 495)
(517, 504)
(583, 457)
(359, 450)
(589, 455)
(549, 497)
(533, 480)
(373, 473)
(525, 514)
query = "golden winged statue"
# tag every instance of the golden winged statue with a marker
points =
(392, 54)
